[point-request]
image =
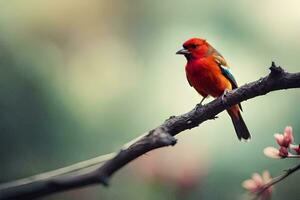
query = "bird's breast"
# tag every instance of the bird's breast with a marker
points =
(207, 78)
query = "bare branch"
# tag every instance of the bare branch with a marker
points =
(159, 137)
(278, 179)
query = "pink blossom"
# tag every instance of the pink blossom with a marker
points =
(296, 148)
(285, 141)
(257, 183)
(286, 138)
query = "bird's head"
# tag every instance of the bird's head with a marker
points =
(194, 48)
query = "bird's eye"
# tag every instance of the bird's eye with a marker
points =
(194, 46)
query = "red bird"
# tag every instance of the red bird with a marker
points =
(207, 71)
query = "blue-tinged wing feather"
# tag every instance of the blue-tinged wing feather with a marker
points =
(231, 78)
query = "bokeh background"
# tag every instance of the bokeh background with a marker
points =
(81, 78)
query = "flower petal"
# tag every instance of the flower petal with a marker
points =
(272, 152)
(288, 133)
(266, 176)
(279, 138)
(257, 179)
(249, 185)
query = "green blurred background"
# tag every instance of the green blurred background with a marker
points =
(81, 78)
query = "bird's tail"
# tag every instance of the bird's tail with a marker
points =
(238, 123)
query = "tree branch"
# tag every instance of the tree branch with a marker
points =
(159, 137)
(278, 179)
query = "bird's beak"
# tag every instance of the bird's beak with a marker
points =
(183, 52)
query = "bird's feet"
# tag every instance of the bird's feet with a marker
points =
(215, 117)
(199, 105)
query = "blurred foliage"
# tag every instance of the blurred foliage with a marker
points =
(81, 78)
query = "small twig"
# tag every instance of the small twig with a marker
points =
(293, 156)
(278, 179)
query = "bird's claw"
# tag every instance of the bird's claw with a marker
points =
(214, 117)
(199, 105)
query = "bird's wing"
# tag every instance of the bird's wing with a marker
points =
(220, 60)
(218, 57)
(225, 70)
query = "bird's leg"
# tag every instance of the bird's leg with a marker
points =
(224, 96)
(200, 104)
(202, 100)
